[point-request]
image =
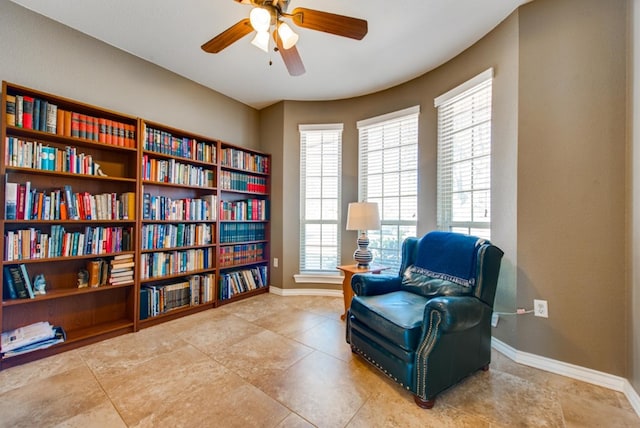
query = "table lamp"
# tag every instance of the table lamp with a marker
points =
(363, 216)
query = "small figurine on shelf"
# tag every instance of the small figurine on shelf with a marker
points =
(83, 278)
(99, 170)
(39, 285)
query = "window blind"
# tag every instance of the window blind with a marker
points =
(464, 157)
(388, 175)
(320, 197)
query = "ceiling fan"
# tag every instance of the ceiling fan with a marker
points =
(268, 13)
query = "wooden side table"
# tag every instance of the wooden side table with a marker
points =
(349, 271)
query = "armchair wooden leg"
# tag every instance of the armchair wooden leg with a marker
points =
(424, 404)
(485, 368)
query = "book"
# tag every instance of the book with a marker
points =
(93, 267)
(27, 281)
(27, 112)
(8, 290)
(19, 110)
(11, 110)
(51, 118)
(16, 278)
(11, 201)
(59, 336)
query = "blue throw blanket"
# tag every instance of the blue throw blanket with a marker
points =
(449, 256)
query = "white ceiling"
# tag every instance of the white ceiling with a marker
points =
(406, 39)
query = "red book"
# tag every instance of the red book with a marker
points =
(82, 122)
(102, 130)
(20, 203)
(27, 112)
(75, 124)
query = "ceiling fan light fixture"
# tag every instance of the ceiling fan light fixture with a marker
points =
(287, 35)
(260, 19)
(261, 40)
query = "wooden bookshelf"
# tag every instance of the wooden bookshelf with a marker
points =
(179, 184)
(96, 165)
(244, 227)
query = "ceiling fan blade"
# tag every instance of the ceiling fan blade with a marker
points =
(290, 56)
(228, 36)
(339, 25)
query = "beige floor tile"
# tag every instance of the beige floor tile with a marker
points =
(186, 388)
(19, 376)
(294, 421)
(580, 412)
(101, 416)
(328, 337)
(391, 406)
(324, 390)
(290, 323)
(55, 400)
(257, 307)
(505, 400)
(262, 355)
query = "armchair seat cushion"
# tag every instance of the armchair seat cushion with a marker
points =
(396, 316)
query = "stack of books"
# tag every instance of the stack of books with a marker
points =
(30, 338)
(121, 269)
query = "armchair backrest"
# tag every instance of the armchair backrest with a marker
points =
(487, 258)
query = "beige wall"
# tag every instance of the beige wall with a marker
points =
(559, 183)
(42, 54)
(571, 181)
(634, 201)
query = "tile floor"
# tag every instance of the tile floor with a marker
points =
(275, 361)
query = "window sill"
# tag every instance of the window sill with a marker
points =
(317, 278)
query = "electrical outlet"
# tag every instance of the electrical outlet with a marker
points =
(540, 308)
(494, 319)
(275, 262)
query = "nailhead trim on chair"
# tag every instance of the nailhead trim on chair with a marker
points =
(423, 352)
(376, 365)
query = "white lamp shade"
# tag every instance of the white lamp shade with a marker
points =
(260, 19)
(363, 216)
(261, 40)
(287, 35)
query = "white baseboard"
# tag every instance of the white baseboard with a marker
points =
(584, 374)
(304, 292)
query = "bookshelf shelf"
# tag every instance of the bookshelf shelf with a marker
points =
(62, 294)
(151, 184)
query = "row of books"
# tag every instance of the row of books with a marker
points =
(36, 155)
(236, 282)
(28, 112)
(32, 243)
(239, 232)
(29, 338)
(240, 254)
(189, 148)
(165, 236)
(239, 181)
(171, 171)
(162, 298)
(25, 203)
(240, 159)
(248, 209)
(16, 283)
(156, 207)
(154, 265)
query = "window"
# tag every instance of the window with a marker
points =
(320, 188)
(388, 175)
(464, 157)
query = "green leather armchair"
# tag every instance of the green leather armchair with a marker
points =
(429, 326)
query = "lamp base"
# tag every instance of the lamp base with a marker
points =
(362, 255)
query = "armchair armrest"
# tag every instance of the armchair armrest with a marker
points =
(372, 285)
(457, 313)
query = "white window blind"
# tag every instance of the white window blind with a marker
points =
(320, 189)
(388, 175)
(464, 157)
